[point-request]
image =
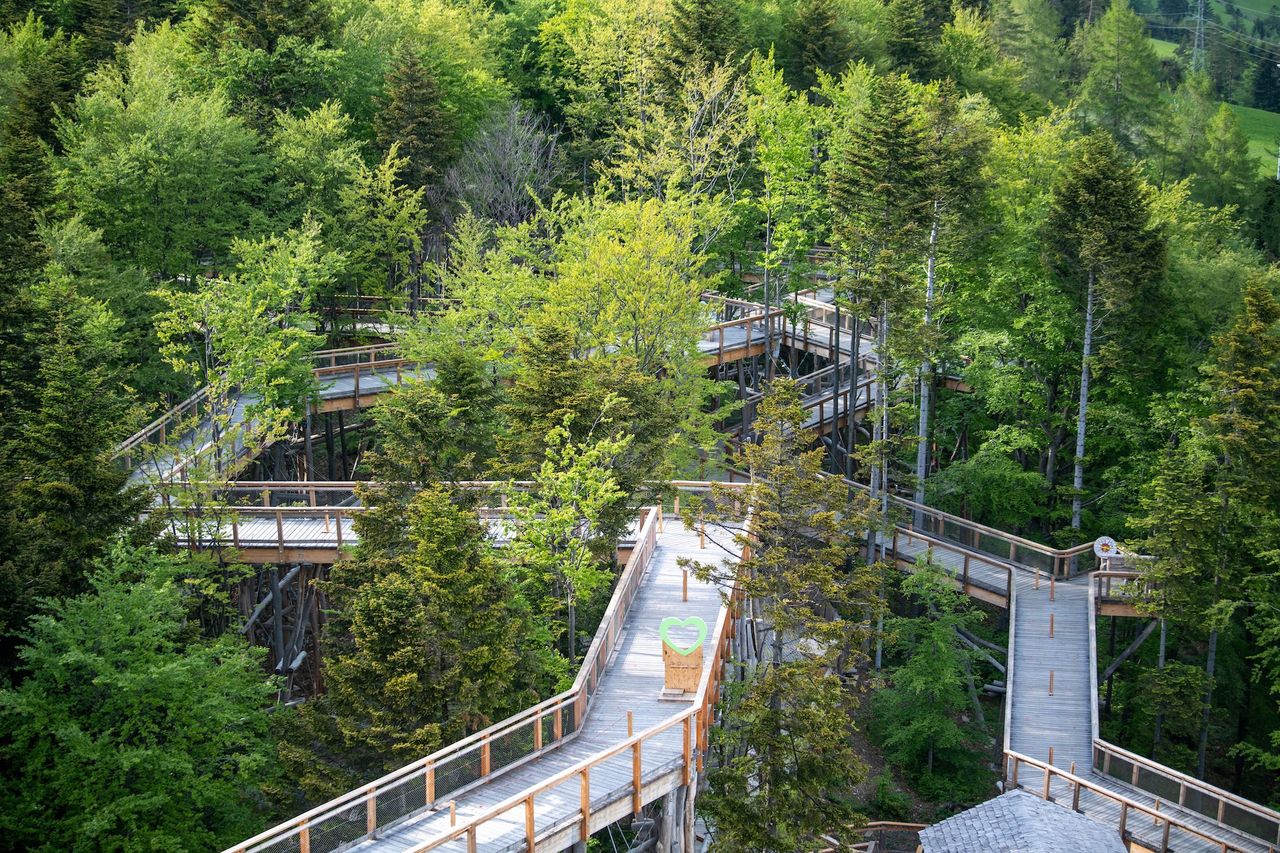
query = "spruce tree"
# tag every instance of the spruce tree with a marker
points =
(1229, 173)
(816, 41)
(783, 770)
(428, 643)
(699, 35)
(1103, 247)
(412, 114)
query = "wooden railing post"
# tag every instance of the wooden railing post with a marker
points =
(537, 733)
(371, 812)
(304, 838)
(429, 782)
(528, 822)
(585, 805)
(688, 749)
(484, 757)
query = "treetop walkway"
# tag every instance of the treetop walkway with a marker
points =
(548, 777)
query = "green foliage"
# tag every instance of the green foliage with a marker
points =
(785, 769)
(1120, 89)
(920, 718)
(128, 733)
(165, 173)
(816, 41)
(428, 642)
(411, 116)
(1229, 173)
(562, 536)
(64, 498)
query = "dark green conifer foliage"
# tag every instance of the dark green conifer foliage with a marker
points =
(911, 37)
(261, 24)
(412, 113)
(428, 643)
(63, 499)
(815, 42)
(700, 34)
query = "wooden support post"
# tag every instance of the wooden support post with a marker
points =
(371, 812)
(304, 839)
(1050, 682)
(1052, 583)
(676, 503)
(1048, 777)
(1075, 795)
(1050, 626)
(702, 534)
(471, 839)
(429, 781)
(1155, 818)
(1164, 839)
(1051, 755)
(528, 822)
(1037, 579)
(557, 724)
(684, 585)
(688, 749)
(635, 778)
(485, 757)
(1124, 818)
(337, 517)
(585, 804)
(1016, 763)
(537, 733)
(453, 813)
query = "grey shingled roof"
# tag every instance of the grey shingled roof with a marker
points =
(1019, 822)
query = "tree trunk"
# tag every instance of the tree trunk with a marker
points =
(1155, 745)
(884, 420)
(1077, 481)
(1210, 662)
(573, 633)
(926, 370)
(836, 464)
(855, 346)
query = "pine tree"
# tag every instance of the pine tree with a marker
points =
(1229, 174)
(261, 25)
(412, 115)
(1266, 85)
(1029, 30)
(1121, 90)
(909, 39)
(428, 643)
(816, 41)
(784, 769)
(1101, 243)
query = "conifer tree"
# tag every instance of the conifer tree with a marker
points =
(784, 769)
(699, 35)
(816, 41)
(1121, 91)
(879, 189)
(1102, 244)
(909, 38)
(412, 116)
(1029, 30)
(1229, 174)
(428, 643)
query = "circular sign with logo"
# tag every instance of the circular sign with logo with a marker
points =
(1105, 547)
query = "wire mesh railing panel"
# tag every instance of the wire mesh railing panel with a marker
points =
(1245, 820)
(402, 800)
(509, 747)
(548, 724)
(282, 845)
(334, 832)
(457, 773)
(1158, 784)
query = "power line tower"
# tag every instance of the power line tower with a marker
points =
(1197, 50)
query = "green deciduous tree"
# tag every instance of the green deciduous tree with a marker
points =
(1229, 173)
(128, 732)
(164, 171)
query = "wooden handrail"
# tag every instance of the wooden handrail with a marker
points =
(1079, 784)
(1185, 783)
(570, 699)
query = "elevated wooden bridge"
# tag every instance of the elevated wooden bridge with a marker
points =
(550, 776)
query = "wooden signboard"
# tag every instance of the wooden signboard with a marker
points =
(682, 665)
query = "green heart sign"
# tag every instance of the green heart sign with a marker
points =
(694, 622)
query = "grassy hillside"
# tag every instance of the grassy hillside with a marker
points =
(1164, 49)
(1263, 130)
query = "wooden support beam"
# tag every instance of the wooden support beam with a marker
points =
(1133, 647)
